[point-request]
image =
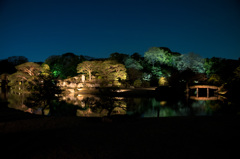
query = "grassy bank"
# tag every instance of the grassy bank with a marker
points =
(119, 137)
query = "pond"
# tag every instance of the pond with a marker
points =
(88, 105)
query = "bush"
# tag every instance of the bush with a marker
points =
(145, 84)
(137, 83)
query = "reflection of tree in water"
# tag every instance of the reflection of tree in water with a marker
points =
(109, 103)
(16, 101)
(105, 104)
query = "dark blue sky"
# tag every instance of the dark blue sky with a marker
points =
(40, 28)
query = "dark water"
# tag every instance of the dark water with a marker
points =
(87, 105)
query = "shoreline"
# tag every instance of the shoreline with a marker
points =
(72, 137)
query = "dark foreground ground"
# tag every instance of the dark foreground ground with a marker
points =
(30, 136)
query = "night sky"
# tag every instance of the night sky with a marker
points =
(38, 29)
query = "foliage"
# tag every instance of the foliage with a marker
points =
(215, 79)
(160, 55)
(17, 60)
(64, 66)
(190, 61)
(237, 73)
(111, 70)
(45, 69)
(119, 57)
(133, 74)
(131, 63)
(29, 68)
(6, 67)
(146, 76)
(45, 90)
(88, 67)
(156, 71)
(162, 81)
(137, 83)
(25, 75)
(136, 56)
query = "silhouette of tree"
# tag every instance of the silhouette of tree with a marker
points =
(120, 58)
(44, 92)
(17, 60)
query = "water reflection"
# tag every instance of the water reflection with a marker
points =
(87, 105)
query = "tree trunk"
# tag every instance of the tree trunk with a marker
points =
(90, 75)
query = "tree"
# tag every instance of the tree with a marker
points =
(132, 63)
(120, 58)
(134, 74)
(45, 91)
(45, 69)
(136, 56)
(64, 65)
(192, 61)
(112, 70)
(6, 67)
(25, 75)
(88, 67)
(30, 68)
(17, 60)
(160, 55)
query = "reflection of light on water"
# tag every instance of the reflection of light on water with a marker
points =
(119, 98)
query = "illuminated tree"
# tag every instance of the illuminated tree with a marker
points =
(191, 61)
(25, 75)
(64, 66)
(156, 71)
(160, 55)
(30, 68)
(131, 63)
(88, 67)
(45, 69)
(111, 70)
(215, 79)
(162, 81)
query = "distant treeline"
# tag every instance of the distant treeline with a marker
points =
(158, 66)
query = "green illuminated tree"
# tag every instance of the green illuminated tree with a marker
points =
(191, 61)
(132, 63)
(160, 55)
(64, 66)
